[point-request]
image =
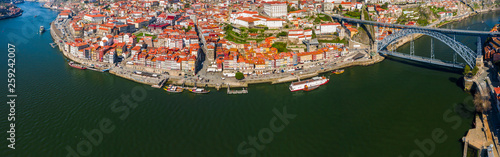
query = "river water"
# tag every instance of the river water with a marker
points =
(388, 109)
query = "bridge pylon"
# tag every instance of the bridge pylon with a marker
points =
(479, 61)
(432, 48)
(412, 46)
(374, 47)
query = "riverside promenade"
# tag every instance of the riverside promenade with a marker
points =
(217, 82)
(274, 78)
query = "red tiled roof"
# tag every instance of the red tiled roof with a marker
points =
(98, 15)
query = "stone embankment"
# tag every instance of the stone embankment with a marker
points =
(276, 80)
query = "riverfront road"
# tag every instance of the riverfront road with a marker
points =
(398, 26)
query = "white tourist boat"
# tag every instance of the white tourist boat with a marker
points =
(310, 83)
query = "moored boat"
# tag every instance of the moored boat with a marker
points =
(76, 66)
(199, 90)
(309, 84)
(42, 29)
(338, 71)
(174, 89)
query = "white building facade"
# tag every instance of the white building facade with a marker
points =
(329, 28)
(275, 9)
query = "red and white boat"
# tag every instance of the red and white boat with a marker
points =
(76, 66)
(308, 85)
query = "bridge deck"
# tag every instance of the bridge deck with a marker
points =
(442, 30)
(424, 59)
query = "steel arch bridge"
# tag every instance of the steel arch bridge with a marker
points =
(463, 51)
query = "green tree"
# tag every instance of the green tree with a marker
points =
(282, 34)
(253, 30)
(243, 29)
(385, 5)
(475, 70)
(422, 22)
(317, 20)
(354, 14)
(228, 28)
(280, 46)
(466, 69)
(188, 28)
(239, 76)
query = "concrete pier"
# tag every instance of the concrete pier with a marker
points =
(159, 85)
(53, 45)
(480, 136)
(243, 91)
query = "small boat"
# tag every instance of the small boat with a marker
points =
(174, 89)
(42, 29)
(307, 88)
(76, 65)
(199, 90)
(338, 71)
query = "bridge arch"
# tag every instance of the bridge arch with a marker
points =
(463, 51)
